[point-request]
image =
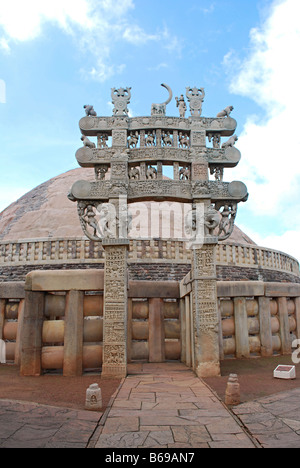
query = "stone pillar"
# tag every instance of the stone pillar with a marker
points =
(73, 343)
(188, 357)
(241, 328)
(284, 326)
(2, 316)
(265, 326)
(31, 334)
(20, 327)
(297, 313)
(182, 330)
(115, 308)
(205, 309)
(156, 331)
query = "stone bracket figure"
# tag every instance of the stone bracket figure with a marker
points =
(211, 221)
(225, 112)
(87, 142)
(195, 97)
(88, 221)
(133, 139)
(230, 142)
(160, 109)
(166, 139)
(180, 103)
(89, 110)
(228, 215)
(184, 173)
(120, 99)
(100, 171)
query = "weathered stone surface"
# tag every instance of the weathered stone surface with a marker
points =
(12, 290)
(282, 290)
(240, 288)
(65, 280)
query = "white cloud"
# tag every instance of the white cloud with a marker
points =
(28, 22)
(4, 45)
(2, 92)
(10, 194)
(95, 25)
(136, 35)
(270, 148)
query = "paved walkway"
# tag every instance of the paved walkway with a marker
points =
(157, 406)
(167, 406)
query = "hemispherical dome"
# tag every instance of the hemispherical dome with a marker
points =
(47, 212)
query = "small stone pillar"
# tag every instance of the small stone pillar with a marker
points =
(31, 334)
(232, 395)
(93, 400)
(205, 309)
(73, 339)
(115, 308)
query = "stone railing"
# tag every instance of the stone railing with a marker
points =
(255, 318)
(57, 251)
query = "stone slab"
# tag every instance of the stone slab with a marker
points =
(68, 280)
(240, 288)
(159, 289)
(282, 290)
(12, 290)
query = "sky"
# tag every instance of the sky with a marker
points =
(58, 55)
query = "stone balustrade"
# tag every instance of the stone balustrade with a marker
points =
(255, 319)
(81, 250)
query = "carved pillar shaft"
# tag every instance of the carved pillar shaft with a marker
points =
(205, 310)
(115, 309)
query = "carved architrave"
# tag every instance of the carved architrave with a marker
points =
(92, 126)
(158, 189)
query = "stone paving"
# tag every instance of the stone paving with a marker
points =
(167, 406)
(274, 420)
(28, 425)
(158, 406)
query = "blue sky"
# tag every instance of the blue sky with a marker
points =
(58, 55)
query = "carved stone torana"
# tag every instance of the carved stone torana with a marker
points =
(129, 164)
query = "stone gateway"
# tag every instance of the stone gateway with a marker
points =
(141, 260)
(136, 174)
